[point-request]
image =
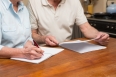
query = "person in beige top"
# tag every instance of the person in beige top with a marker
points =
(52, 21)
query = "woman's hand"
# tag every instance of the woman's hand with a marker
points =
(32, 52)
(29, 51)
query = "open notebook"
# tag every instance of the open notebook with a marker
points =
(81, 46)
(48, 52)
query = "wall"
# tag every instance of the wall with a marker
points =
(25, 2)
(100, 5)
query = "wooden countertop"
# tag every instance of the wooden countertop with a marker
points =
(99, 63)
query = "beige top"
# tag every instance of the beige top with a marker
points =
(59, 22)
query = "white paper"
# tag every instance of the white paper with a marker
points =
(44, 57)
(76, 41)
(52, 51)
(81, 46)
(48, 52)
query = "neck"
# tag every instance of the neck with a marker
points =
(14, 2)
(54, 3)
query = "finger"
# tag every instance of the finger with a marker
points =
(98, 37)
(104, 38)
(104, 43)
(39, 50)
(101, 36)
(51, 42)
(30, 48)
(32, 57)
(35, 54)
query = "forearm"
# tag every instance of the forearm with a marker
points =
(7, 52)
(89, 31)
(28, 43)
(38, 38)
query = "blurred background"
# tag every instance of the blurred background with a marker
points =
(25, 2)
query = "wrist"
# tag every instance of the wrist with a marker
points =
(19, 53)
(29, 43)
(43, 38)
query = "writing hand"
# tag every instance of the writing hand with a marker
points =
(33, 52)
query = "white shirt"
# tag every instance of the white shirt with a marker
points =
(59, 22)
(15, 28)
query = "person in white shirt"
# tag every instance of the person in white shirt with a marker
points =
(52, 21)
(15, 32)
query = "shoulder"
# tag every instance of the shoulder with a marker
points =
(1, 9)
(0, 5)
(35, 5)
(74, 3)
(26, 10)
(35, 1)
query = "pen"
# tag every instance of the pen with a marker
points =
(36, 44)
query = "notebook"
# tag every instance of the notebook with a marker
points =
(81, 46)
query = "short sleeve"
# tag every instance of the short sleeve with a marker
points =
(80, 17)
(33, 18)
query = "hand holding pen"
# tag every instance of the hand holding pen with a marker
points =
(31, 51)
(35, 44)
